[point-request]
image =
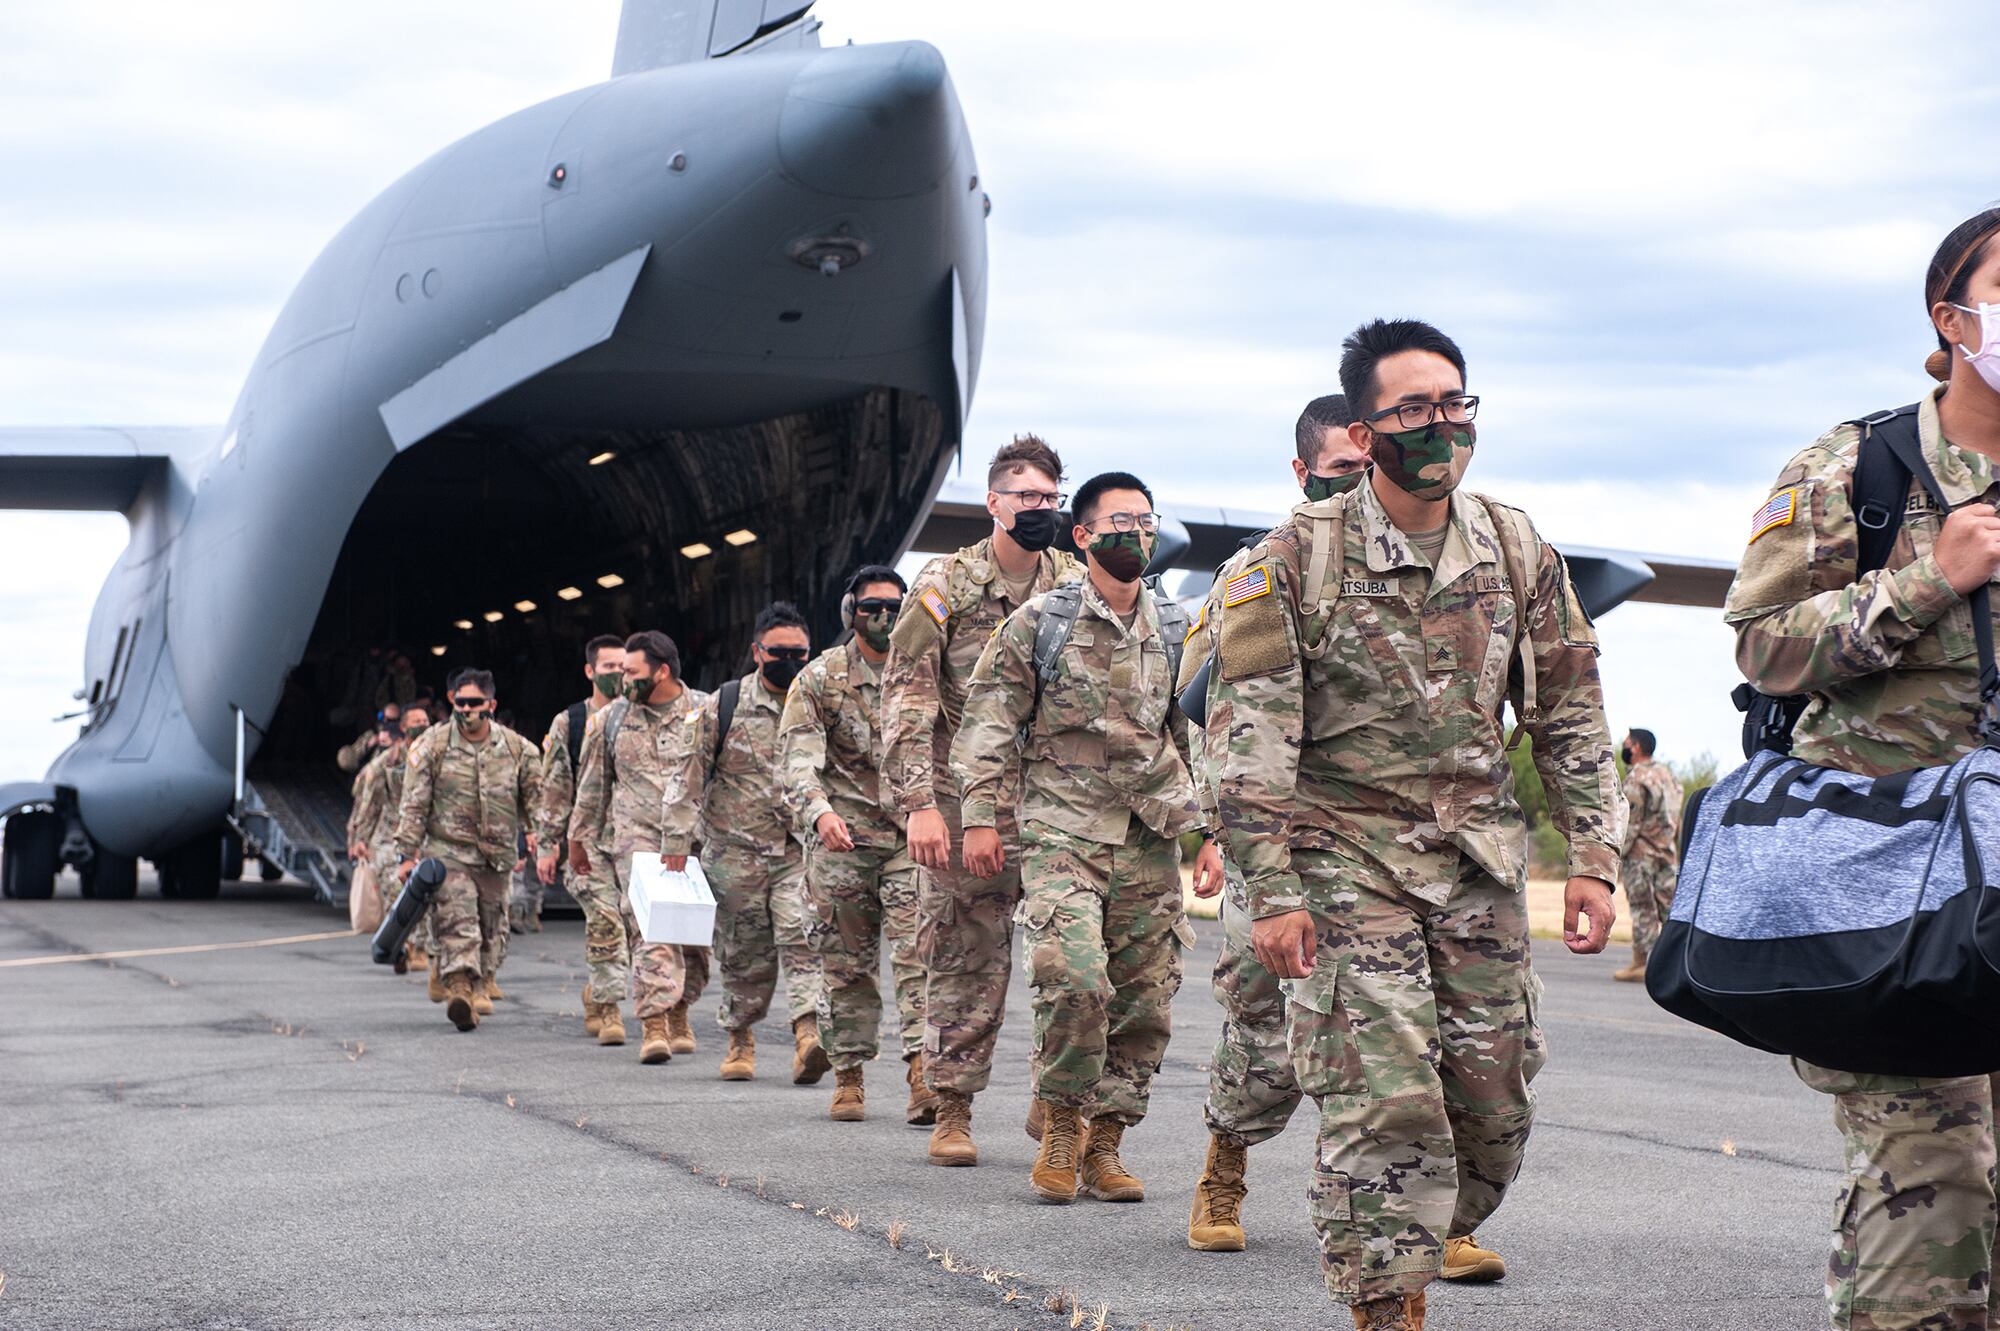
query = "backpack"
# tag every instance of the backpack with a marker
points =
(577, 716)
(1060, 608)
(1843, 919)
(725, 713)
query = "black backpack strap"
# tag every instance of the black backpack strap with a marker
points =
(1175, 625)
(1882, 473)
(577, 717)
(1059, 611)
(725, 712)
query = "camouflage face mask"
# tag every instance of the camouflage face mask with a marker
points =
(414, 729)
(608, 683)
(1320, 487)
(1122, 554)
(637, 689)
(875, 629)
(1428, 463)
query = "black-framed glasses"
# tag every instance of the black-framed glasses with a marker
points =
(1035, 498)
(877, 605)
(788, 653)
(1127, 521)
(1416, 415)
(468, 703)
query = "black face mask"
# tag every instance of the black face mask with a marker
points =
(780, 673)
(1034, 528)
(1626, 754)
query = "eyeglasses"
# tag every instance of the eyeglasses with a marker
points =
(788, 653)
(1035, 498)
(1416, 415)
(468, 703)
(1128, 521)
(876, 605)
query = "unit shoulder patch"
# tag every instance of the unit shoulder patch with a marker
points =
(1778, 511)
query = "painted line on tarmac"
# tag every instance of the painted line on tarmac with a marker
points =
(172, 951)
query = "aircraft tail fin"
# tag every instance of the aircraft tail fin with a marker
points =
(86, 469)
(655, 33)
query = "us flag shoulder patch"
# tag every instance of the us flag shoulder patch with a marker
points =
(932, 600)
(1246, 586)
(1779, 512)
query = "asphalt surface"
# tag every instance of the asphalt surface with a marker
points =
(289, 1136)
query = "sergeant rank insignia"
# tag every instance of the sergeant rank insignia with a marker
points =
(1246, 586)
(932, 601)
(1777, 513)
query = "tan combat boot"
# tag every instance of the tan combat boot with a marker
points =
(654, 1044)
(951, 1139)
(458, 1004)
(1390, 1313)
(1104, 1174)
(418, 957)
(922, 1108)
(1466, 1261)
(610, 1024)
(437, 987)
(402, 964)
(482, 1002)
(493, 988)
(1634, 972)
(1054, 1176)
(739, 1062)
(1216, 1223)
(680, 1035)
(1038, 1115)
(809, 1061)
(847, 1096)
(590, 1017)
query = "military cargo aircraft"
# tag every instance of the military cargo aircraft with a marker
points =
(651, 352)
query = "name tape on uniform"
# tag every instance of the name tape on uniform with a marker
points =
(1777, 512)
(932, 600)
(1371, 586)
(1246, 586)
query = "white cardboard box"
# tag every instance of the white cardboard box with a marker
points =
(671, 907)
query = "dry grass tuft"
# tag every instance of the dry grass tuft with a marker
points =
(895, 1234)
(1728, 1147)
(581, 1121)
(510, 1099)
(1056, 1302)
(846, 1219)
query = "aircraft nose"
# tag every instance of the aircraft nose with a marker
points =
(870, 122)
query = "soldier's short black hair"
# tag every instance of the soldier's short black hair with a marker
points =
(1958, 255)
(1321, 415)
(598, 644)
(1368, 345)
(658, 649)
(868, 573)
(777, 615)
(1644, 739)
(479, 679)
(1084, 506)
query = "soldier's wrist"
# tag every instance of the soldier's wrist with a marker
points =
(1592, 859)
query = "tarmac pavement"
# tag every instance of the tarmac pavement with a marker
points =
(289, 1136)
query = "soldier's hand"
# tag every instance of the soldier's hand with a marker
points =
(929, 839)
(674, 863)
(833, 833)
(1590, 897)
(404, 870)
(579, 861)
(357, 852)
(1285, 944)
(534, 844)
(1208, 869)
(545, 869)
(1968, 549)
(984, 855)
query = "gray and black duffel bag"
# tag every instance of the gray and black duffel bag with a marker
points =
(1843, 919)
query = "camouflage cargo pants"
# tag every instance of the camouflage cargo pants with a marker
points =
(1251, 1089)
(524, 899)
(1649, 885)
(760, 929)
(858, 898)
(1914, 1225)
(1104, 963)
(607, 948)
(1415, 1033)
(469, 917)
(965, 941)
(659, 976)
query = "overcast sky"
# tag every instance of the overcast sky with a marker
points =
(1676, 242)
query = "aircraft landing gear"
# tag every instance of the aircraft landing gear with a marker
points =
(109, 877)
(194, 870)
(232, 857)
(28, 855)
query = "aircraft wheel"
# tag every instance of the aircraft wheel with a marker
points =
(110, 877)
(269, 872)
(232, 857)
(28, 855)
(197, 869)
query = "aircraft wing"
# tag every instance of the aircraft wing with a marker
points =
(655, 33)
(1604, 578)
(87, 468)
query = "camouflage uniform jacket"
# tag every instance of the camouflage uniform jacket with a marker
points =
(1889, 659)
(466, 802)
(952, 609)
(640, 801)
(1103, 744)
(738, 791)
(558, 781)
(355, 755)
(831, 762)
(1652, 814)
(1201, 643)
(1360, 692)
(378, 798)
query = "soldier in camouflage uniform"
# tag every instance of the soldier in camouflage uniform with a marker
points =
(353, 757)
(632, 796)
(371, 827)
(863, 883)
(965, 922)
(1651, 850)
(1251, 1089)
(1890, 663)
(757, 869)
(1365, 652)
(606, 951)
(469, 789)
(1104, 797)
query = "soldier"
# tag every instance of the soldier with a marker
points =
(1080, 683)
(757, 869)
(965, 921)
(606, 950)
(1251, 1089)
(1651, 850)
(862, 883)
(1889, 661)
(1364, 653)
(470, 788)
(371, 827)
(388, 721)
(631, 797)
